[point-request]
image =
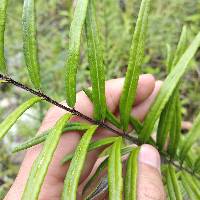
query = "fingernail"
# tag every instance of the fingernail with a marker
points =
(150, 156)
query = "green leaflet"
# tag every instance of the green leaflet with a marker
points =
(187, 188)
(190, 186)
(192, 136)
(130, 188)
(167, 89)
(30, 42)
(103, 165)
(115, 181)
(196, 167)
(92, 146)
(76, 165)
(74, 50)
(172, 184)
(175, 131)
(170, 118)
(182, 46)
(40, 165)
(109, 115)
(3, 8)
(134, 65)
(95, 57)
(169, 58)
(72, 126)
(12, 118)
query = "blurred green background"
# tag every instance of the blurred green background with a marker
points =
(116, 20)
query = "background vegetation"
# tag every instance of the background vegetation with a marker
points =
(117, 20)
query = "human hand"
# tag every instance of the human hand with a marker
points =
(149, 180)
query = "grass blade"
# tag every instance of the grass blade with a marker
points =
(192, 136)
(40, 166)
(74, 171)
(115, 181)
(12, 118)
(74, 50)
(109, 115)
(41, 138)
(134, 65)
(30, 42)
(130, 190)
(172, 184)
(95, 57)
(196, 167)
(93, 145)
(167, 89)
(3, 8)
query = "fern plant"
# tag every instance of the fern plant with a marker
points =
(180, 169)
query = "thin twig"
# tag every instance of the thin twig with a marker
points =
(68, 109)
(101, 124)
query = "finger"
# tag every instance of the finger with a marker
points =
(56, 172)
(150, 184)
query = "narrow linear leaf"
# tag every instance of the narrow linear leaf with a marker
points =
(76, 165)
(134, 66)
(175, 131)
(40, 166)
(196, 167)
(30, 42)
(182, 45)
(41, 138)
(115, 181)
(92, 146)
(187, 187)
(167, 89)
(100, 189)
(172, 184)
(103, 165)
(192, 136)
(130, 190)
(192, 185)
(95, 57)
(74, 50)
(169, 58)
(12, 118)
(109, 115)
(3, 8)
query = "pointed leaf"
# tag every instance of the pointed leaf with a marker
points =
(3, 8)
(130, 190)
(197, 165)
(30, 42)
(115, 181)
(136, 124)
(95, 57)
(76, 165)
(172, 184)
(134, 66)
(41, 138)
(192, 136)
(74, 50)
(167, 89)
(40, 165)
(12, 118)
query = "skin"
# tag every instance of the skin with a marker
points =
(149, 179)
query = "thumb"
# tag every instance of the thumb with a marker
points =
(150, 186)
